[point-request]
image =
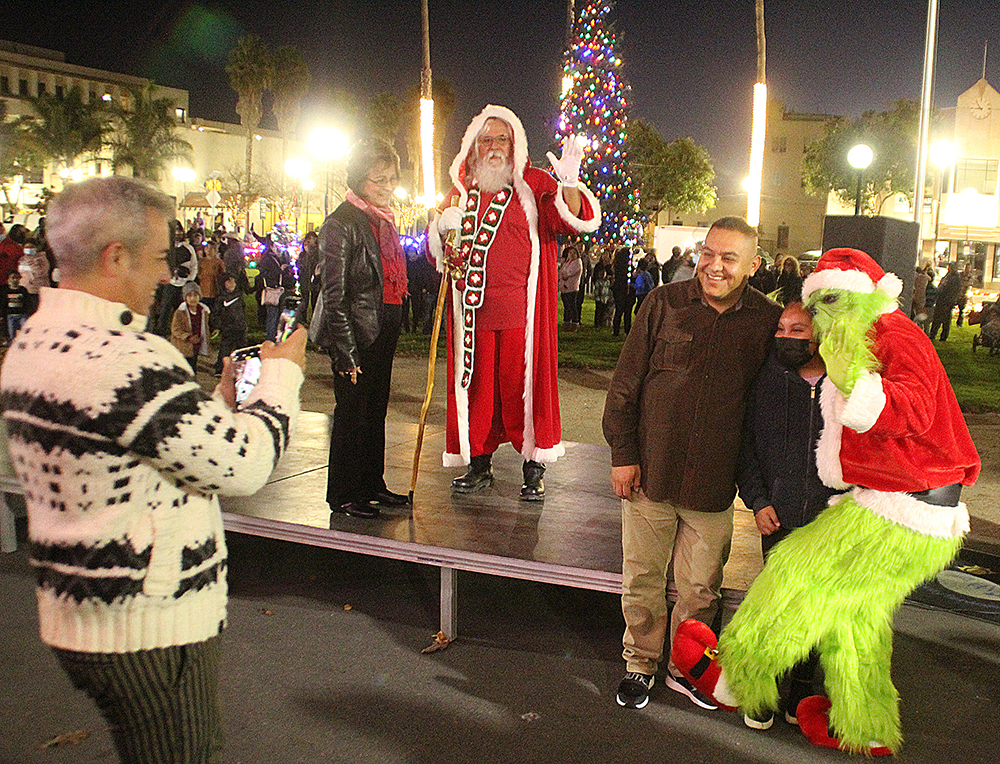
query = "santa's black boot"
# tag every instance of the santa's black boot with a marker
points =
(533, 488)
(479, 476)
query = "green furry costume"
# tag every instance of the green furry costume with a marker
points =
(892, 425)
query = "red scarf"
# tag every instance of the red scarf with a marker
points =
(383, 224)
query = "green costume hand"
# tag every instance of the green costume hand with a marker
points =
(843, 366)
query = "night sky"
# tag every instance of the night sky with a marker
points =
(691, 63)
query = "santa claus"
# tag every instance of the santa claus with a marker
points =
(496, 236)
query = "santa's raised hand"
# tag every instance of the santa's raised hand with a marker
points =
(567, 167)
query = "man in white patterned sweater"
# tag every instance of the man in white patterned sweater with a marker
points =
(121, 455)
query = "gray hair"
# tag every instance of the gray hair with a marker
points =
(85, 217)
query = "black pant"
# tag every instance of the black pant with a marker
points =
(357, 437)
(227, 344)
(570, 301)
(623, 309)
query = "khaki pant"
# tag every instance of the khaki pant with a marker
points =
(653, 533)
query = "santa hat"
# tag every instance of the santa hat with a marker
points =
(851, 270)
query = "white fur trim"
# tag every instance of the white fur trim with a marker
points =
(908, 511)
(865, 404)
(834, 278)
(453, 460)
(436, 247)
(472, 131)
(548, 455)
(891, 284)
(583, 226)
(831, 472)
(722, 693)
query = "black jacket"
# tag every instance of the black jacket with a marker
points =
(352, 286)
(777, 462)
(229, 313)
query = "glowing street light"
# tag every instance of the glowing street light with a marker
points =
(327, 144)
(860, 157)
(185, 175)
(298, 168)
(942, 154)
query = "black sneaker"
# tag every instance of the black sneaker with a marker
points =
(684, 687)
(633, 692)
(759, 721)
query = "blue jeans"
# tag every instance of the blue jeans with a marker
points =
(14, 324)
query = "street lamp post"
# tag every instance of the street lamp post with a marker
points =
(298, 169)
(969, 198)
(942, 154)
(860, 157)
(185, 175)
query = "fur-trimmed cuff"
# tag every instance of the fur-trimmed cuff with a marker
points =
(548, 455)
(908, 511)
(453, 460)
(583, 226)
(865, 404)
(436, 247)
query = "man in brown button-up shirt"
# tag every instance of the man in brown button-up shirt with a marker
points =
(673, 418)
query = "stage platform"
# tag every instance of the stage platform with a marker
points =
(572, 538)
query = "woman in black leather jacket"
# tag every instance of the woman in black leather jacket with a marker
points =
(363, 285)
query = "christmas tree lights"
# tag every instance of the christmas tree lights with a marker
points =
(594, 104)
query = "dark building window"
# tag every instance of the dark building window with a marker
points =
(22, 88)
(782, 237)
(41, 88)
(59, 91)
(4, 85)
(779, 144)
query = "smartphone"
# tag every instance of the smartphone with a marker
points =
(290, 317)
(246, 368)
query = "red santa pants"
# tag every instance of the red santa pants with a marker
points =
(496, 393)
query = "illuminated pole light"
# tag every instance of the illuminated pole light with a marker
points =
(859, 157)
(427, 149)
(753, 182)
(942, 154)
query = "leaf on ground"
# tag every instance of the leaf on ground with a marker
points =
(440, 643)
(66, 738)
(975, 570)
(348, 607)
(531, 716)
(265, 611)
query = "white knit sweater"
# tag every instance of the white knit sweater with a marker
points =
(121, 455)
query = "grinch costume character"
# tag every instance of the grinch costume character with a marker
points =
(497, 237)
(894, 435)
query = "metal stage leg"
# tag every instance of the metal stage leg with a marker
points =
(449, 602)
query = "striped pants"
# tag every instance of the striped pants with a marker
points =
(162, 705)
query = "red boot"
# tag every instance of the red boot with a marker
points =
(693, 653)
(814, 721)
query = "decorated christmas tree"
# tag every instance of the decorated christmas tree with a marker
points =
(594, 104)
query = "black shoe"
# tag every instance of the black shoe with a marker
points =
(387, 498)
(759, 721)
(684, 687)
(533, 488)
(360, 509)
(633, 692)
(479, 476)
(797, 692)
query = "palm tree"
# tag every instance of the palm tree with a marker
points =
(289, 83)
(145, 139)
(250, 68)
(64, 128)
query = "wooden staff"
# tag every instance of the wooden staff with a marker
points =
(432, 359)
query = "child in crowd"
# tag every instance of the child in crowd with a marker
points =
(230, 320)
(189, 328)
(16, 304)
(776, 473)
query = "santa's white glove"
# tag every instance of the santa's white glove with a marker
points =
(449, 220)
(567, 167)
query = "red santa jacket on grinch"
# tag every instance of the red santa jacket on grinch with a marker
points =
(899, 432)
(547, 216)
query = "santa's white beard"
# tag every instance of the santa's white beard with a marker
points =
(491, 179)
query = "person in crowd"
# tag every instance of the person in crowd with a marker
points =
(271, 287)
(11, 249)
(673, 418)
(16, 302)
(789, 282)
(586, 281)
(504, 217)
(189, 328)
(309, 265)
(125, 455)
(686, 269)
(422, 282)
(34, 269)
(570, 274)
(643, 282)
(967, 278)
(622, 290)
(603, 301)
(946, 299)
(763, 280)
(229, 319)
(776, 474)
(930, 299)
(364, 281)
(183, 263)
(671, 265)
(918, 303)
(210, 270)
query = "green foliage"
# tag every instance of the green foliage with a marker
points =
(250, 69)
(145, 137)
(16, 157)
(65, 128)
(676, 176)
(892, 136)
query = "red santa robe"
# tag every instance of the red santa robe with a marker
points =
(544, 213)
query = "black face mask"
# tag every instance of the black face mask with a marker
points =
(793, 351)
